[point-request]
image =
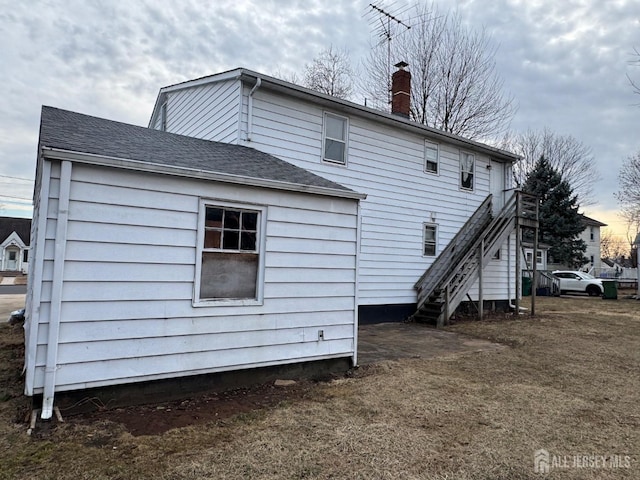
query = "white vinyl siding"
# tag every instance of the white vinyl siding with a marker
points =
(497, 274)
(387, 164)
(127, 298)
(207, 111)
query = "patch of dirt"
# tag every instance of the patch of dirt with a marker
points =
(155, 419)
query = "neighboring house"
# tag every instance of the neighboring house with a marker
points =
(15, 236)
(542, 255)
(158, 256)
(591, 236)
(427, 190)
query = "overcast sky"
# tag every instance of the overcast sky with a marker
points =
(565, 62)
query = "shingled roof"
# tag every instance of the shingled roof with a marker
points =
(22, 226)
(75, 132)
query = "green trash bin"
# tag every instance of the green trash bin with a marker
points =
(526, 286)
(610, 289)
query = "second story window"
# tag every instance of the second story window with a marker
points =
(467, 169)
(335, 139)
(431, 157)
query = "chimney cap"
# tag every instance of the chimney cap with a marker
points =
(401, 65)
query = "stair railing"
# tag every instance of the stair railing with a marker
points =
(455, 270)
(453, 252)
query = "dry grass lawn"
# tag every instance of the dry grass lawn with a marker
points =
(568, 382)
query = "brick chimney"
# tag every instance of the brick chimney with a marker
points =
(401, 90)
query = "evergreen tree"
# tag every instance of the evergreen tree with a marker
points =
(560, 224)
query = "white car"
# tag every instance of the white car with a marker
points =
(571, 281)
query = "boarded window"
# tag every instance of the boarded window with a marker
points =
(335, 139)
(467, 168)
(230, 257)
(431, 157)
(430, 240)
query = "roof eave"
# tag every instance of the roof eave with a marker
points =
(53, 153)
(346, 106)
(376, 115)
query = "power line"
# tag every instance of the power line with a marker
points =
(2, 195)
(17, 178)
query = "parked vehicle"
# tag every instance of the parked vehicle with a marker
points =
(17, 316)
(572, 281)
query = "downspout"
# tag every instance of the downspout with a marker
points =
(56, 290)
(34, 287)
(509, 272)
(250, 109)
(356, 299)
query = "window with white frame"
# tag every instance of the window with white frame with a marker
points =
(592, 234)
(431, 157)
(430, 240)
(467, 170)
(335, 133)
(229, 253)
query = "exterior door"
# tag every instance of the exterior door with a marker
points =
(497, 185)
(12, 259)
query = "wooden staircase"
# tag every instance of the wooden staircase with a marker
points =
(444, 285)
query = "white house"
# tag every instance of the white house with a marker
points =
(591, 236)
(15, 235)
(422, 184)
(157, 256)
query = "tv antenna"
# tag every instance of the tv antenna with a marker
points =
(385, 30)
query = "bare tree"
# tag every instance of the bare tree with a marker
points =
(567, 155)
(635, 62)
(613, 247)
(455, 86)
(629, 195)
(331, 73)
(287, 77)
(629, 178)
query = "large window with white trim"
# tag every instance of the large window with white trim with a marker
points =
(229, 253)
(430, 240)
(335, 133)
(431, 157)
(467, 170)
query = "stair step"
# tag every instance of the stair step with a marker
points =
(425, 319)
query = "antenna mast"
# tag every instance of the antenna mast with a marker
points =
(385, 32)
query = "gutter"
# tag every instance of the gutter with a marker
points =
(137, 165)
(366, 112)
(340, 105)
